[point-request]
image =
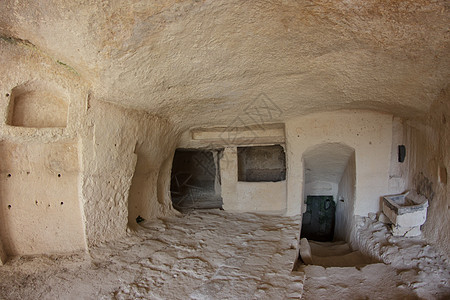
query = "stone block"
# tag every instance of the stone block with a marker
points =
(305, 251)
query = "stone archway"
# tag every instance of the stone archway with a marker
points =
(330, 173)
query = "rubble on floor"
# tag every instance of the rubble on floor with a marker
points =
(419, 265)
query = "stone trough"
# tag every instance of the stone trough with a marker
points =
(407, 212)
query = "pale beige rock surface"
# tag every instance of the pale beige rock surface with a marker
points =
(208, 59)
(103, 93)
(202, 255)
(220, 255)
(420, 266)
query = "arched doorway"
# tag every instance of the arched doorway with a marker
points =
(329, 190)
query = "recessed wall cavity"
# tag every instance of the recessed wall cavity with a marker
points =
(261, 163)
(38, 105)
(401, 153)
(195, 180)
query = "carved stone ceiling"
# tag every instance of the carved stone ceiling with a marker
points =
(202, 63)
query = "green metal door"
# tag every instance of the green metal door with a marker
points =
(318, 220)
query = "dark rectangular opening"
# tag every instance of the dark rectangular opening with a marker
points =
(195, 181)
(261, 163)
(319, 218)
(401, 153)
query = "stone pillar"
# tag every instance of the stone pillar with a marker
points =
(229, 177)
(217, 187)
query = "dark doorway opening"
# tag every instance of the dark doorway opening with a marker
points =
(318, 219)
(195, 180)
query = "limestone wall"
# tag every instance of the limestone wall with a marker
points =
(74, 170)
(40, 209)
(127, 157)
(266, 197)
(345, 202)
(41, 105)
(426, 168)
(241, 196)
(398, 170)
(368, 133)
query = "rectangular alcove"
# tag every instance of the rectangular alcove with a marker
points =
(261, 164)
(37, 104)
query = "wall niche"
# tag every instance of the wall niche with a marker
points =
(261, 163)
(37, 104)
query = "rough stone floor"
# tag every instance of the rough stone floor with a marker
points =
(390, 268)
(213, 254)
(338, 272)
(202, 255)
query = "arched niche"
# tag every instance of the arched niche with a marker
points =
(37, 104)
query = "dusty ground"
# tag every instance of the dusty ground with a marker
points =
(218, 255)
(202, 255)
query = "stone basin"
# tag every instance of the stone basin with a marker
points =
(406, 212)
